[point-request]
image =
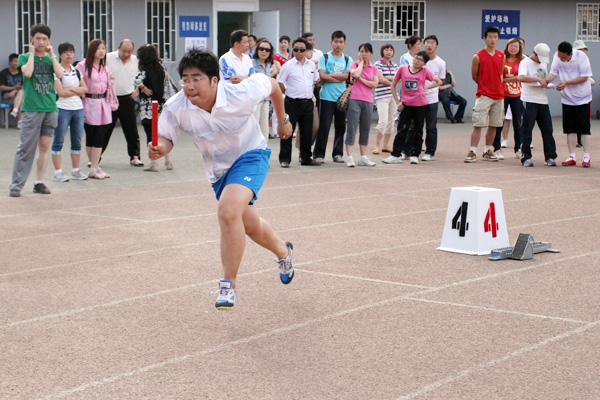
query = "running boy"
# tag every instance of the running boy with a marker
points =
(413, 107)
(218, 117)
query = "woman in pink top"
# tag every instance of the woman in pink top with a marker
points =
(360, 107)
(413, 107)
(96, 108)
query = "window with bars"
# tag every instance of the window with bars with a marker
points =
(395, 20)
(97, 22)
(587, 21)
(161, 26)
(29, 13)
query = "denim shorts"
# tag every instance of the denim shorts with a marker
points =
(249, 170)
(74, 120)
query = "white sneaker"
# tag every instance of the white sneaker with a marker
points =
(404, 156)
(504, 144)
(392, 160)
(226, 299)
(414, 160)
(365, 162)
(14, 113)
(518, 154)
(499, 155)
(350, 162)
(78, 176)
(427, 157)
(338, 158)
(59, 177)
(19, 124)
(319, 160)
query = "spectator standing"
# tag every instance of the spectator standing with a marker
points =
(334, 72)
(96, 108)
(533, 71)
(513, 51)
(40, 113)
(316, 53)
(70, 89)
(236, 65)
(283, 55)
(150, 82)
(413, 43)
(438, 67)
(360, 107)
(486, 70)
(296, 80)
(580, 45)
(11, 87)
(123, 65)
(263, 64)
(251, 45)
(448, 94)
(574, 70)
(386, 106)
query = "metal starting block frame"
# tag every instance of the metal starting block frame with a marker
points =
(524, 249)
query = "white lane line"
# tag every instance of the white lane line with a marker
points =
(497, 310)
(491, 363)
(100, 216)
(360, 278)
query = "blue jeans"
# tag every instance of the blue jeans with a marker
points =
(66, 119)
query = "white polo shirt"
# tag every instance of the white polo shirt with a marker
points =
(438, 67)
(230, 65)
(124, 73)
(224, 134)
(576, 67)
(298, 78)
(317, 54)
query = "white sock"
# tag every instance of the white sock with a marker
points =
(572, 155)
(75, 170)
(586, 155)
(489, 148)
(36, 182)
(364, 158)
(57, 171)
(15, 110)
(473, 149)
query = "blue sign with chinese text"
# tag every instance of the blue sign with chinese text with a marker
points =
(193, 26)
(508, 21)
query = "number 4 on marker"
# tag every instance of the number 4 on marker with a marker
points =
(460, 219)
(490, 223)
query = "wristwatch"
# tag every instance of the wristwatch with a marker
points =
(285, 121)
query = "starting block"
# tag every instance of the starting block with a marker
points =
(524, 249)
(475, 221)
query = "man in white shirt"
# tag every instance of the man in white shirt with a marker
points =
(438, 67)
(533, 71)
(236, 65)
(574, 70)
(219, 118)
(123, 66)
(296, 79)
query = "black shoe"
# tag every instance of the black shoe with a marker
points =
(14, 193)
(578, 145)
(453, 121)
(40, 188)
(311, 162)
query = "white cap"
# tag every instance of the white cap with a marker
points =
(578, 45)
(543, 52)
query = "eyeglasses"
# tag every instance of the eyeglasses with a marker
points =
(419, 59)
(194, 81)
(297, 50)
(264, 49)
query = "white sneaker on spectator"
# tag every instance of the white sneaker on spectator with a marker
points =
(414, 160)
(504, 144)
(350, 161)
(392, 160)
(518, 154)
(14, 113)
(427, 157)
(365, 162)
(499, 155)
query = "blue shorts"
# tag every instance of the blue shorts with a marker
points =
(249, 170)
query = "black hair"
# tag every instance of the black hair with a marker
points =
(12, 57)
(491, 29)
(565, 47)
(367, 47)
(306, 35)
(40, 28)
(424, 55)
(204, 60)
(237, 36)
(386, 46)
(91, 53)
(300, 40)
(412, 40)
(252, 36)
(432, 37)
(65, 46)
(285, 37)
(258, 43)
(309, 45)
(147, 56)
(338, 35)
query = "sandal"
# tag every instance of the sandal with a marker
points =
(376, 150)
(151, 168)
(104, 174)
(96, 175)
(387, 149)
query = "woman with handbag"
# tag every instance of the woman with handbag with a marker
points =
(96, 106)
(360, 106)
(151, 81)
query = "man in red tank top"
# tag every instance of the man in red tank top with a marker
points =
(486, 70)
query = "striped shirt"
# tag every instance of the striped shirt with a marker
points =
(388, 71)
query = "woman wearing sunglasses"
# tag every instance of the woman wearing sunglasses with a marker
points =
(263, 64)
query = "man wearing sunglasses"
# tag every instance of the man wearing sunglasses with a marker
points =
(296, 80)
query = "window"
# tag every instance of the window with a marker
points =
(97, 22)
(395, 20)
(29, 13)
(587, 21)
(161, 26)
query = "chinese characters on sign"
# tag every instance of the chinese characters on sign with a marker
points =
(508, 21)
(192, 26)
